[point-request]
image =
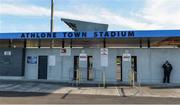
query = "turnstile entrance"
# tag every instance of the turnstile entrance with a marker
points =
(76, 68)
(134, 66)
(119, 68)
(90, 68)
(77, 72)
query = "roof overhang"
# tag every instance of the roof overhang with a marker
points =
(93, 34)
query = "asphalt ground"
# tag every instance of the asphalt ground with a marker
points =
(162, 90)
(56, 98)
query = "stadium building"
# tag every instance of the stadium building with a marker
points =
(90, 54)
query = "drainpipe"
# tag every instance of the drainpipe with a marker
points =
(148, 43)
(140, 43)
(24, 59)
(104, 43)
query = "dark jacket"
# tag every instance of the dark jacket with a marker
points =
(167, 67)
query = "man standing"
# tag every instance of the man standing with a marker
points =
(167, 71)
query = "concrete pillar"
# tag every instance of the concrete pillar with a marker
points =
(126, 67)
(83, 66)
(83, 70)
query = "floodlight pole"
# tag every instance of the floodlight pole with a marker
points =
(52, 21)
(52, 15)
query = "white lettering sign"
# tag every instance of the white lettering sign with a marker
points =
(104, 51)
(7, 53)
(52, 60)
(83, 57)
(127, 57)
(65, 52)
(104, 57)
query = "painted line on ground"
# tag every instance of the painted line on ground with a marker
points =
(119, 94)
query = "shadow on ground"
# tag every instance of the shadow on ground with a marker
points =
(164, 87)
(20, 94)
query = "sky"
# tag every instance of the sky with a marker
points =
(34, 15)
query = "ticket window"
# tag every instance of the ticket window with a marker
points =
(134, 66)
(76, 73)
(119, 68)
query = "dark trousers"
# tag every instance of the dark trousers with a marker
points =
(166, 76)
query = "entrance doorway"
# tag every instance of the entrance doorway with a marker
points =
(119, 68)
(89, 68)
(76, 73)
(134, 66)
(42, 67)
(76, 68)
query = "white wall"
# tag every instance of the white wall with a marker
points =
(149, 62)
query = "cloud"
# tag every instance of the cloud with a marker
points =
(156, 14)
(165, 13)
(105, 16)
(86, 14)
(23, 10)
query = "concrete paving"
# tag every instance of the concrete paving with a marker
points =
(57, 98)
(145, 91)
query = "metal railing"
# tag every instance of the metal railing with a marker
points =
(80, 76)
(133, 83)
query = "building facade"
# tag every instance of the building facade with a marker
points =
(90, 59)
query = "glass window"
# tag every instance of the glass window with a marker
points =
(57, 43)
(171, 42)
(46, 43)
(4, 43)
(32, 43)
(91, 43)
(123, 42)
(17, 43)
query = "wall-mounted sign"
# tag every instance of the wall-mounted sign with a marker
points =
(65, 52)
(104, 57)
(32, 59)
(127, 57)
(52, 60)
(104, 51)
(104, 60)
(95, 34)
(83, 57)
(106, 34)
(7, 53)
